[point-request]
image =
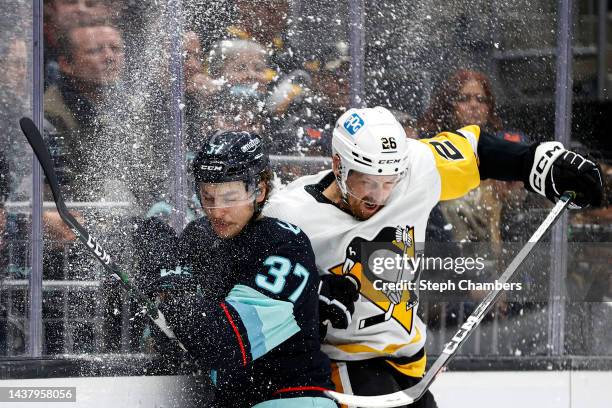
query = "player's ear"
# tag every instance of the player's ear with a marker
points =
(262, 189)
(336, 165)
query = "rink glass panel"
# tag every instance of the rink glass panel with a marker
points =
(129, 158)
(123, 134)
(15, 176)
(410, 49)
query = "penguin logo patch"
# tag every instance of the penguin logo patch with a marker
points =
(391, 304)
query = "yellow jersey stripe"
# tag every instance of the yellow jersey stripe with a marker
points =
(456, 161)
(387, 351)
(413, 369)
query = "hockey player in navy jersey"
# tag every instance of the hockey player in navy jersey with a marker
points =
(244, 300)
(381, 190)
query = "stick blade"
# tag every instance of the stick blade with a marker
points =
(395, 399)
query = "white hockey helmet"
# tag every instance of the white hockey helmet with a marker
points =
(370, 141)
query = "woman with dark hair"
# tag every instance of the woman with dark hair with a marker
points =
(465, 98)
(494, 212)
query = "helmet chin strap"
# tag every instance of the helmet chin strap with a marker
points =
(342, 184)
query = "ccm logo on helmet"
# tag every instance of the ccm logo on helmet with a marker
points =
(353, 124)
(212, 167)
(389, 161)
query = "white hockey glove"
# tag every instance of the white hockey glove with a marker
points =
(556, 170)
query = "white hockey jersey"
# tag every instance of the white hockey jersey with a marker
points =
(385, 324)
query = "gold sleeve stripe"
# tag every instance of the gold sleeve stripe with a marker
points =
(456, 161)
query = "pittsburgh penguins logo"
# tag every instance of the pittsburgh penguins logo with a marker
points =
(361, 260)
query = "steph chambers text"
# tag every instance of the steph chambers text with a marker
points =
(463, 285)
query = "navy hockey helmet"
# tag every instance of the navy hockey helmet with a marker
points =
(231, 156)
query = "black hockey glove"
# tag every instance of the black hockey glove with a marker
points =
(156, 255)
(337, 297)
(556, 170)
(177, 280)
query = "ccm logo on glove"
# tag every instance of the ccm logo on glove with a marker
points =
(556, 170)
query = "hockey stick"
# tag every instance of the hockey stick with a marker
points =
(412, 394)
(35, 139)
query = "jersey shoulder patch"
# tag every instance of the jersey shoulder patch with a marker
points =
(289, 227)
(279, 232)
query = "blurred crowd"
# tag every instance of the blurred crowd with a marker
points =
(110, 81)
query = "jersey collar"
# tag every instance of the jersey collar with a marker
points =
(316, 190)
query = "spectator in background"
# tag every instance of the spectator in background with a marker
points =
(196, 80)
(241, 66)
(14, 64)
(494, 213)
(466, 98)
(240, 70)
(91, 63)
(265, 22)
(60, 15)
(305, 104)
(331, 73)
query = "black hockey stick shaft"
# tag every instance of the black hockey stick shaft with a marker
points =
(468, 327)
(39, 147)
(409, 395)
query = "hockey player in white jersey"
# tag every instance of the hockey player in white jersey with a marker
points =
(380, 191)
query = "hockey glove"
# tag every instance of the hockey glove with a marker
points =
(155, 254)
(556, 170)
(178, 280)
(337, 297)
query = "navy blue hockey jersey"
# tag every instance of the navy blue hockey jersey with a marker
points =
(254, 318)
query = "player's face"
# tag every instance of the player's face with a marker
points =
(367, 194)
(228, 206)
(471, 105)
